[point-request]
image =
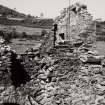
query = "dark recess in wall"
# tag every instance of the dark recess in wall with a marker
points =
(19, 75)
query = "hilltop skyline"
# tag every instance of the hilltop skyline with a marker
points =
(52, 8)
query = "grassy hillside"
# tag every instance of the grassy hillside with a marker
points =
(5, 11)
(12, 17)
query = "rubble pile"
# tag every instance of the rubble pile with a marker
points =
(46, 86)
(80, 86)
(54, 80)
(71, 83)
(54, 75)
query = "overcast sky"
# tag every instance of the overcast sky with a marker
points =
(51, 8)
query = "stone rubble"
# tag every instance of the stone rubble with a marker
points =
(63, 81)
(57, 76)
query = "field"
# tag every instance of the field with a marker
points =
(20, 45)
(21, 29)
(100, 47)
(39, 23)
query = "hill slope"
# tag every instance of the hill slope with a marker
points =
(5, 11)
(12, 17)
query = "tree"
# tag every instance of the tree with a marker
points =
(7, 37)
(24, 35)
(43, 33)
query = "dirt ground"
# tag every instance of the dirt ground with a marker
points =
(100, 46)
(21, 45)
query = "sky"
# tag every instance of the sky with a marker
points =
(52, 8)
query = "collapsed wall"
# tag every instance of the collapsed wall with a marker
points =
(74, 21)
(12, 72)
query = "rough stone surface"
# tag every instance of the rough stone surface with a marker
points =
(61, 80)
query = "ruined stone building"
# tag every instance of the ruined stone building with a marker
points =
(74, 22)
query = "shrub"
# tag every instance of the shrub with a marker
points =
(43, 33)
(7, 37)
(24, 35)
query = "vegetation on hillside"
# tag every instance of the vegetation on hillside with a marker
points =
(5, 11)
(24, 20)
(100, 31)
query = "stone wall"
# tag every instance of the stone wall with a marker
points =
(73, 21)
